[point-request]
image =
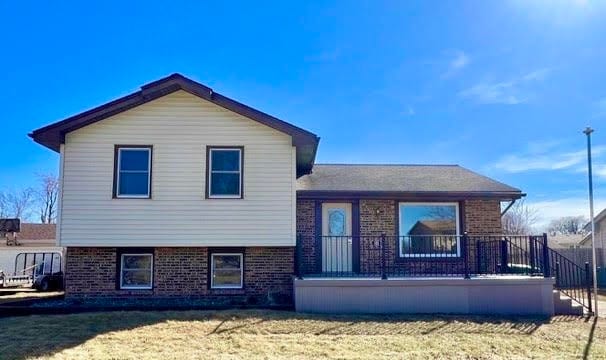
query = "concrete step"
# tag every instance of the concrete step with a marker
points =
(563, 305)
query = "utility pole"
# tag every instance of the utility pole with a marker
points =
(588, 132)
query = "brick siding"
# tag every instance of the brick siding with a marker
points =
(183, 272)
(381, 217)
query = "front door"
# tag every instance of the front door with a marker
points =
(336, 237)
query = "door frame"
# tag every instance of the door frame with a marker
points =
(355, 232)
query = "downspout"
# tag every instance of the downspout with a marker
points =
(508, 207)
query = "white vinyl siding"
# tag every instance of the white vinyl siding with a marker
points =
(179, 126)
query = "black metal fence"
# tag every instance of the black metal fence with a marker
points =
(441, 256)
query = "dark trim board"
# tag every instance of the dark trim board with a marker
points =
(151, 166)
(134, 250)
(404, 196)
(209, 270)
(207, 173)
(355, 229)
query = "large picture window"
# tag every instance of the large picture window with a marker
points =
(224, 172)
(133, 172)
(429, 229)
(226, 270)
(136, 271)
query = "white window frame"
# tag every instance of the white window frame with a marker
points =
(400, 236)
(212, 271)
(151, 270)
(210, 172)
(119, 172)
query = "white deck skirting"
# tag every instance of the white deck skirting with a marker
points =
(502, 295)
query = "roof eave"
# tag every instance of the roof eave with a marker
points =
(412, 195)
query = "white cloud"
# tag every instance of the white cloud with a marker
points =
(547, 158)
(552, 209)
(459, 61)
(510, 92)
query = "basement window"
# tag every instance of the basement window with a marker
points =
(226, 271)
(136, 271)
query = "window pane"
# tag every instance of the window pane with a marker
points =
(428, 220)
(428, 229)
(227, 278)
(131, 159)
(136, 262)
(227, 261)
(134, 278)
(133, 184)
(336, 222)
(225, 160)
(225, 184)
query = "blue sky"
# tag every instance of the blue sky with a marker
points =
(503, 88)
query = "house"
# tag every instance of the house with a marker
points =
(32, 238)
(178, 191)
(600, 232)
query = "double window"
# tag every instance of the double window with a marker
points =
(133, 168)
(227, 270)
(429, 229)
(136, 271)
(133, 171)
(224, 170)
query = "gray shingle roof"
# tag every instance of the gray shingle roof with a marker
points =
(399, 178)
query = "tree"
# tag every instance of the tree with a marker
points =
(519, 219)
(47, 198)
(16, 204)
(567, 225)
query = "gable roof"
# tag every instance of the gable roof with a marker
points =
(442, 181)
(53, 135)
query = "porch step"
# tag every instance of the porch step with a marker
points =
(563, 305)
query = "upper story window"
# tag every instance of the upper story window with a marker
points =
(132, 171)
(429, 229)
(224, 167)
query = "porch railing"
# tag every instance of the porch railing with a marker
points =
(441, 256)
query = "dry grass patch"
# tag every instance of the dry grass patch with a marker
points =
(287, 335)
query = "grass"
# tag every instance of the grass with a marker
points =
(271, 334)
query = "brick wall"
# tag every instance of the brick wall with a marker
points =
(482, 217)
(306, 231)
(380, 216)
(183, 272)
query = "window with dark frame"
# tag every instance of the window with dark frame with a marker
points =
(224, 166)
(133, 171)
(136, 271)
(429, 229)
(227, 270)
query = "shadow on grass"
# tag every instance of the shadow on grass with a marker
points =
(40, 335)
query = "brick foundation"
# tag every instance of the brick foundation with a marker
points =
(183, 272)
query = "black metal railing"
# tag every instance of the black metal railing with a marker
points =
(441, 256)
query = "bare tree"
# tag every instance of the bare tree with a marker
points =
(16, 203)
(47, 198)
(567, 225)
(519, 219)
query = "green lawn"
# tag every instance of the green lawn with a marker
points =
(272, 334)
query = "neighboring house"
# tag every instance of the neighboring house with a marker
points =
(600, 232)
(565, 241)
(176, 190)
(31, 238)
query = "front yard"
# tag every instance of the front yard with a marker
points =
(273, 334)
